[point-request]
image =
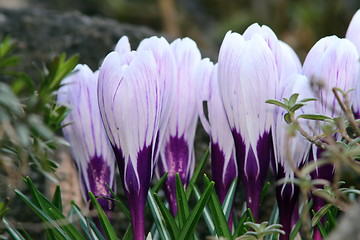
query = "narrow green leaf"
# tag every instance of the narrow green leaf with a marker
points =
(218, 217)
(196, 174)
(188, 230)
(229, 199)
(317, 216)
(128, 233)
(169, 220)
(251, 216)
(240, 227)
(314, 117)
(308, 100)
(331, 218)
(182, 202)
(277, 103)
(295, 229)
(293, 99)
(88, 226)
(158, 217)
(207, 215)
(57, 201)
(296, 107)
(48, 221)
(14, 233)
(51, 210)
(159, 183)
(321, 230)
(119, 203)
(104, 221)
(264, 191)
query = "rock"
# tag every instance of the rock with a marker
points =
(43, 34)
(348, 226)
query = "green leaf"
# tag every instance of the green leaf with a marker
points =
(182, 202)
(218, 217)
(57, 201)
(295, 229)
(277, 103)
(296, 107)
(88, 226)
(104, 221)
(158, 217)
(229, 199)
(128, 233)
(308, 100)
(264, 191)
(322, 230)
(207, 216)
(188, 229)
(52, 225)
(317, 117)
(196, 174)
(317, 216)
(159, 183)
(14, 233)
(169, 220)
(240, 227)
(51, 210)
(287, 118)
(119, 203)
(293, 99)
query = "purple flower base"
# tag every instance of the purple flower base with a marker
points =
(136, 192)
(222, 184)
(177, 159)
(99, 174)
(252, 175)
(323, 172)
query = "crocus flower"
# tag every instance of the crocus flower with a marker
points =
(129, 99)
(85, 132)
(332, 62)
(289, 152)
(353, 35)
(248, 74)
(222, 147)
(176, 152)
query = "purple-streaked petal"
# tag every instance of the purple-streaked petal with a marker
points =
(175, 158)
(166, 69)
(176, 151)
(85, 132)
(223, 161)
(248, 76)
(353, 35)
(129, 100)
(289, 152)
(290, 62)
(334, 62)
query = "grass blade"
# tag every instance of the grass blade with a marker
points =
(104, 221)
(196, 174)
(57, 201)
(158, 217)
(218, 217)
(207, 216)
(188, 230)
(169, 220)
(229, 199)
(13, 232)
(182, 202)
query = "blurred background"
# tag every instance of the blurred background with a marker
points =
(300, 23)
(44, 29)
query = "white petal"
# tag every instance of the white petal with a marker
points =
(123, 46)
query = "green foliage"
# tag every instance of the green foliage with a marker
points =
(28, 114)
